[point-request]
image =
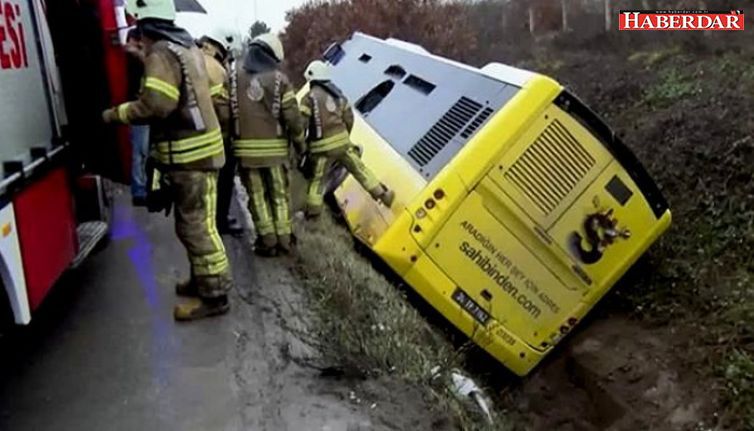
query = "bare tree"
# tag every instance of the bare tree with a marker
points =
(532, 18)
(503, 15)
(259, 27)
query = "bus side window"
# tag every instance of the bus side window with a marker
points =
(395, 71)
(420, 85)
(334, 54)
(366, 104)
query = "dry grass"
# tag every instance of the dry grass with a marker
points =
(368, 324)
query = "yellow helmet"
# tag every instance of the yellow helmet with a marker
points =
(317, 70)
(157, 9)
(271, 41)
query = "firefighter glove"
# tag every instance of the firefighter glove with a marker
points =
(110, 116)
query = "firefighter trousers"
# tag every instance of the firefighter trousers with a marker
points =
(194, 196)
(350, 160)
(269, 198)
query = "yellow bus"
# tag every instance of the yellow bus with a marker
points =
(517, 208)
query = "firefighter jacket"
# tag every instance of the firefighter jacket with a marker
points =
(328, 117)
(267, 118)
(185, 131)
(218, 89)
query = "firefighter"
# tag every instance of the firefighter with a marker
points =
(329, 121)
(216, 47)
(186, 143)
(267, 118)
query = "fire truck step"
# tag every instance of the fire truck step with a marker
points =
(89, 233)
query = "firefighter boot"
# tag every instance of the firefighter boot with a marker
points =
(201, 308)
(187, 288)
(384, 195)
(313, 212)
(388, 197)
(286, 244)
(266, 245)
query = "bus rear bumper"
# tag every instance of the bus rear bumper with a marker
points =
(446, 297)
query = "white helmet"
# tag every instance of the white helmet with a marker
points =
(317, 70)
(271, 41)
(157, 9)
(222, 36)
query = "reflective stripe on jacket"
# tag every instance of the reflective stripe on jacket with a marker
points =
(328, 119)
(268, 118)
(176, 138)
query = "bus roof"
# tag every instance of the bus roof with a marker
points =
(426, 106)
(498, 71)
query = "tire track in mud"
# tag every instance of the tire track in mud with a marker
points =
(251, 368)
(278, 386)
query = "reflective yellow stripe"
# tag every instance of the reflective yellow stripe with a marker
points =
(192, 156)
(216, 257)
(260, 143)
(287, 97)
(330, 143)
(255, 154)
(260, 148)
(170, 91)
(211, 268)
(190, 143)
(191, 149)
(216, 90)
(217, 262)
(123, 112)
(306, 111)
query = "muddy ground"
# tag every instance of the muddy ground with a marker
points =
(302, 378)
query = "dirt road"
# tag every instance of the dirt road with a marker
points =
(104, 353)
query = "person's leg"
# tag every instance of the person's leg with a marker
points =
(260, 210)
(225, 191)
(139, 136)
(279, 192)
(352, 162)
(315, 196)
(195, 195)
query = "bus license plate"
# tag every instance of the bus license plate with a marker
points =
(470, 306)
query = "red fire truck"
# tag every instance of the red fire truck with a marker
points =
(60, 64)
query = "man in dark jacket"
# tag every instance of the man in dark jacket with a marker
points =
(139, 134)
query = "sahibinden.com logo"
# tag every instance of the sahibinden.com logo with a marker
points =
(687, 20)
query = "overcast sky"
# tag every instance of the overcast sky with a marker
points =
(239, 14)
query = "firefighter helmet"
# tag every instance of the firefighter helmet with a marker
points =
(156, 9)
(317, 70)
(221, 36)
(272, 42)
